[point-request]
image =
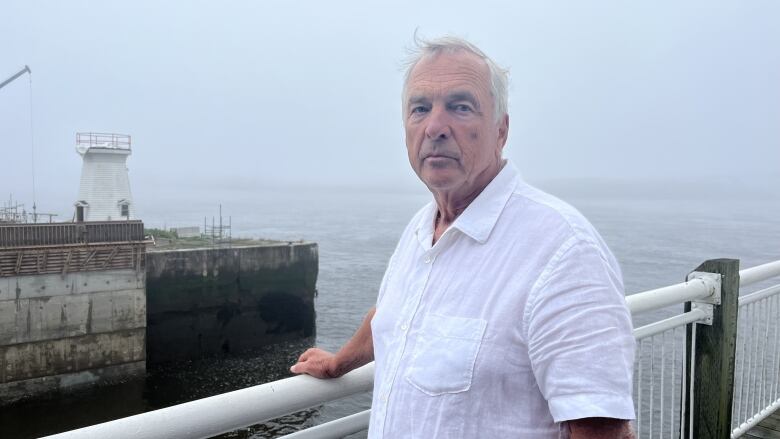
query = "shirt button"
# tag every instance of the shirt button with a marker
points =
(384, 398)
(404, 327)
(428, 259)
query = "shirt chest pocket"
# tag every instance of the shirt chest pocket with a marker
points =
(445, 353)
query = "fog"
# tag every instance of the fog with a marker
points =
(235, 97)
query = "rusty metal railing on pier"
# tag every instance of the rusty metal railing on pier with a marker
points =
(53, 234)
(61, 248)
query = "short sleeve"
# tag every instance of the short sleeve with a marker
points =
(580, 337)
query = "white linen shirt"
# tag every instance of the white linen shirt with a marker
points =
(514, 321)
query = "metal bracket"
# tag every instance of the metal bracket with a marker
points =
(713, 282)
(707, 304)
(708, 309)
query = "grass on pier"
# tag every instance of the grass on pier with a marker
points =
(168, 240)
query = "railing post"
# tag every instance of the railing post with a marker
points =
(710, 353)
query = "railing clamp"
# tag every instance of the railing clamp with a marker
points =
(707, 303)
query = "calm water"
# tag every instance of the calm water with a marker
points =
(656, 241)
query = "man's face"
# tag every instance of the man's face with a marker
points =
(452, 137)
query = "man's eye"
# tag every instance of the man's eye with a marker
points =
(461, 108)
(419, 109)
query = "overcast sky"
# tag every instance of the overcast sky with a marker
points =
(250, 94)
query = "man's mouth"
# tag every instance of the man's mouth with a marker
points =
(439, 161)
(439, 157)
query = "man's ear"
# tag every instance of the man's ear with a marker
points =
(503, 131)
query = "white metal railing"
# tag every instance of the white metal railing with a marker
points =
(335, 429)
(656, 369)
(660, 353)
(219, 414)
(694, 289)
(759, 273)
(757, 364)
(756, 397)
(658, 377)
(660, 356)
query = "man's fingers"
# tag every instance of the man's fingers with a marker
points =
(310, 362)
(301, 365)
(307, 367)
(314, 362)
(304, 356)
(309, 353)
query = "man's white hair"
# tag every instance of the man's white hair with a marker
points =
(499, 77)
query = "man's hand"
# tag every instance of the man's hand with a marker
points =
(317, 363)
(600, 428)
(358, 351)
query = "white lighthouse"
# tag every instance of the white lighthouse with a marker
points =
(104, 192)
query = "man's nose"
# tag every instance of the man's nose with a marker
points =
(438, 126)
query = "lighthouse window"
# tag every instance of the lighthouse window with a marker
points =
(125, 210)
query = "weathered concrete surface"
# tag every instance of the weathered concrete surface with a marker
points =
(72, 354)
(213, 301)
(16, 390)
(49, 285)
(58, 330)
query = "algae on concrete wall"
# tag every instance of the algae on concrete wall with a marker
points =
(216, 301)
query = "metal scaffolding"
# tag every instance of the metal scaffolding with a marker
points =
(218, 233)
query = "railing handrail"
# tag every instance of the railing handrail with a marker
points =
(86, 223)
(661, 326)
(759, 295)
(756, 419)
(759, 273)
(208, 417)
(335, 429)
(218, 414)
(694, 289)
(115, 140)
(671, 295)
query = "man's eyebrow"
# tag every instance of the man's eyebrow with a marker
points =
(417, 100)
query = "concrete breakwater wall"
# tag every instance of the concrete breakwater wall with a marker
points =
(204, 302)
(84, 303)
(60, 331)
(72, 305)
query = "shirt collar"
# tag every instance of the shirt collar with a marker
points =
(479, 218)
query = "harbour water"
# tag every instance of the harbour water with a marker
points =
(657, 241)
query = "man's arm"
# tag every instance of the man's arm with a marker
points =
(358, 351)
(600, 428)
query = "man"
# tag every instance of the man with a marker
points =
(501, 313)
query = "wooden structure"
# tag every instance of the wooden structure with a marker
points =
(711, 352)
(29, 249)
(769, 428)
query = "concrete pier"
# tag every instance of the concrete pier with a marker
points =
(72, 306)
(215, 301)
(85, 303)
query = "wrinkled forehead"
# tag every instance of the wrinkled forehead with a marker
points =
(437, 72)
